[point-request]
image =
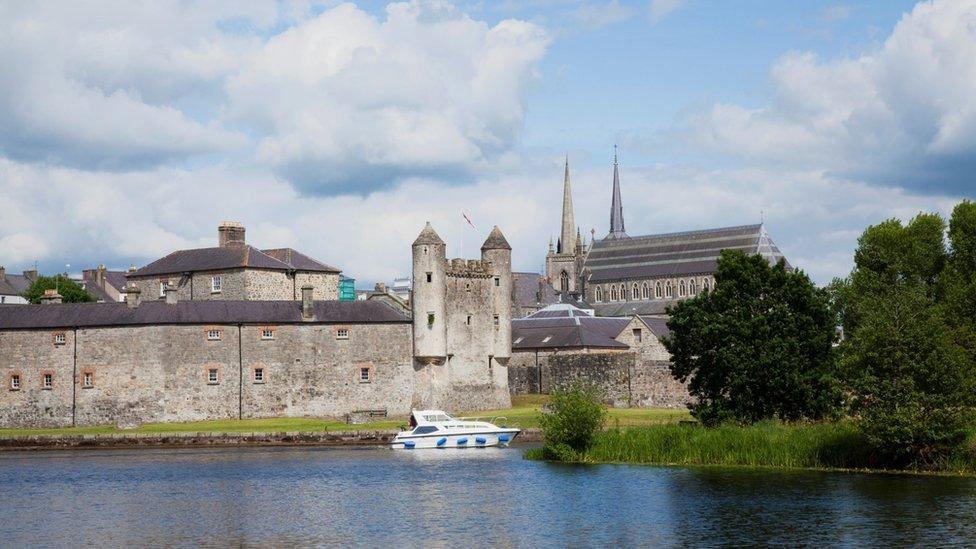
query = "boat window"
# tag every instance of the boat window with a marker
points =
(424, 430)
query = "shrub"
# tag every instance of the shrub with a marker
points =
(571, 421)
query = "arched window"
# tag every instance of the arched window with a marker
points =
(645, 291)
(623, 293)
(681, 288)
(669, 290)
(599, 293)
(657, 290)
(634, 291)
(692, 287)
(564, 282)
(705, 284)
(613, 293)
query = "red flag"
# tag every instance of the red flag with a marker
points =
(468, 219)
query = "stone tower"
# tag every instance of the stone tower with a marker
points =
(564, 263)
(461, 325)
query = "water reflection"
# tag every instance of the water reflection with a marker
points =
(376, 496)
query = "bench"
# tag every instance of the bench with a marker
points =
(364, 416)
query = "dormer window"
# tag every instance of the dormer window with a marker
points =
(215, 284)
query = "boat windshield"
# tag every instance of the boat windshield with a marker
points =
(437, 418)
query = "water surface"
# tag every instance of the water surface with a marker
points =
(375, 496)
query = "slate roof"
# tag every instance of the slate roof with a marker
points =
(628, 308)
(657, 325)
(12, 284)
(87, 315)
(496, 240)
(673, 254)
(526, 287)
(566, 327)
(232, 257)
(97, 292)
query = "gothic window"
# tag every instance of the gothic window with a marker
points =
(657, 290)
(564, 282)
(692, 287)
(623, 293)
(635, 292)
(669, 290)
(613, 293)
(682, 289)
(645, 291)
(705, 284)
(599, 293)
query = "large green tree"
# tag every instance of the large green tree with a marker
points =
(757, 346)
(71, 291)
(905, 359)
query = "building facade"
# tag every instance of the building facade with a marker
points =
(564, 262)
(13, 286)
(236, 271)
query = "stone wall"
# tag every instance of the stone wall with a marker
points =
(146, 374)
(242, 284)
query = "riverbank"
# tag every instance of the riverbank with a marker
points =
(834, 446)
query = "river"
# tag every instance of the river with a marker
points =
(376, 497)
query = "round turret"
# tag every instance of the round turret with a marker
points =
(428, 297)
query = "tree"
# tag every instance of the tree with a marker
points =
(71, 291)
(757, 346)
(907, 359)
(573, 417)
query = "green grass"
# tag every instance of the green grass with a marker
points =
(770, 444)
(524, 414)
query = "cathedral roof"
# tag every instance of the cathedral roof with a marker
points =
(674, 254)
(428, 236)
(496, 241)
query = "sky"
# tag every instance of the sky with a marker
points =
(129, 130)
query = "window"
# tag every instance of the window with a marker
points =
(425, 429)
(495, 320)
(215, 284)
(342, 333)
(705, 284)
(498, 281)
(15, 382)
(623, 293)
(162, 289)
(637, 335)
(213, 376)
(60, 338)
(645, 291)
(48, 381)
(430, 277)
(259, 375)
(681, 288)
(599, 293)
(430, 319)
(692, 287)
(564, 282)
(365, 375)
(267, 333)
(657, 290)
(613, 293)
(87, 380)
(517, 341)
(469, 320)
(634, 292)
(669, 290)
(546, 339)
(213, 334)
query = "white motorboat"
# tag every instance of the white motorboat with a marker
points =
(437, 429)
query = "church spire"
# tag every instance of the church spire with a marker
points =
(567, 237)
(616, 206)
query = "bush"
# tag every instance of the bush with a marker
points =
(573, 418)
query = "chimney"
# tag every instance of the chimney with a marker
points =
(3, 272)
(31, 275)
(51, 297)
(100, 276)
(308, 305)
(132, 296)
(381, 288)
(170, 292)
(230, 233)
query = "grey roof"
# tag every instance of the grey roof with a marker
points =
(496, 240)
(657, 325)
(627, 308)
(533, 290)
(116, 279)
(566, 327)
(12, 284)
(86, 315)
(673, 254)
(299, 261)
(228, 257)
(428, 236)
(97, 292)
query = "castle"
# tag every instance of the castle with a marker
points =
(213, 333)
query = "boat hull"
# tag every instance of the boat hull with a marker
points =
(500, 437)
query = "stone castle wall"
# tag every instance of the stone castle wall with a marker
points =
(160, 373)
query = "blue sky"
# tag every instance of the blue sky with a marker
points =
(339, 129)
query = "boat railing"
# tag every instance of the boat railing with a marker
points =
(494, 420)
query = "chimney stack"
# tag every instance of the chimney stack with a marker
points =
(51, 297)
(308, 305)
(132, 296)
(230, 233)
(170, 293)
(100, 276)
(31, 275)
(3, 272)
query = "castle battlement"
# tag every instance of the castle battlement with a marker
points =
(469, 268)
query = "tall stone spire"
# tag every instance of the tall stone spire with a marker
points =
(616, 206)
(567, 238)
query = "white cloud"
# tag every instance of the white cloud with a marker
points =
(347, 102)
(602, 14)
(900, 115)
(659, 9)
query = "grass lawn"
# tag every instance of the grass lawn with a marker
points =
(524, 413)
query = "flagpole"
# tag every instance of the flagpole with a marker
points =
(461, 245)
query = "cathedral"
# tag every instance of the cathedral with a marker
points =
(623, 275)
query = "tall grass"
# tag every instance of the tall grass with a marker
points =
(823, 445)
